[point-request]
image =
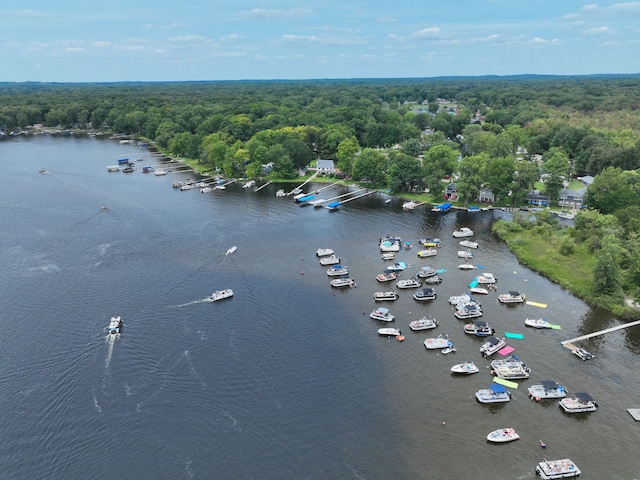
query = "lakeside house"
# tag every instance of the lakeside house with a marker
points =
(538, 199)
(571, 198)
(486, 196)
(325, 167)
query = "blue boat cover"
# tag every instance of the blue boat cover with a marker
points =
(306, 198)
(333, 204)
(497, 388)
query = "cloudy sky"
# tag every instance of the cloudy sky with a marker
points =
(144, 40)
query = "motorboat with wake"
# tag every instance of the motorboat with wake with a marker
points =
(115, 324)
(388, 296)
(221, 295)
(580, 403)
(425, 323)
(466, 368)
(492, 345)
(496, 393)
(552, 469)
(382, 314)
(503, 435)
(231, 250)
(547, 389)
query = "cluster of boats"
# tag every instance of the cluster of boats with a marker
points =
(327, 257)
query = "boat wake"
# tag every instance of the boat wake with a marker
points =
(204, 300)
(111, 342)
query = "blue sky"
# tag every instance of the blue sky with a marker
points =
(141, 40)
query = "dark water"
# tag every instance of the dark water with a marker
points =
(288, 379)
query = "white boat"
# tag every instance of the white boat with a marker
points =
(430, 242)
(231, 250)
(451, 348)
(425, 323)
(469, 244)
(437, 343)
(566, 215)
(396, 267)
(436, 280)
(387, 245)
(338, 271)
(537, 323)
(465, 254)
(342, 282)
(429, 252)
(426, 272)
(389, 296)
(221, 294)
(492, 345)
(512, 297)
(463, 232)
(486, 279)
(503, 435)
(409, 283)
(581, 402)
(159, 173)
(547, 389)
(466, 368)
(110, 168)
(511, 368)
(389, 332)
(206, 190)
(479, 328)
(496, 393)
(382, 314)
(388, 256)
(583, 354)
(466, 266)
(463, 299)
(425, 294)
(386, 276)
(330, 260)
(552, 469)
(249, 184)
(324, 252)
(470, 310)
(479, 290)
(281, 193)
(114, 326)
(409, 205)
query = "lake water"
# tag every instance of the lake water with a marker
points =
(288, 379)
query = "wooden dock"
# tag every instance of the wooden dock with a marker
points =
(298, 189)
(257, 189)
(569, 343)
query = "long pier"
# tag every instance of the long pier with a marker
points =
(257, 189)
(358, 196)
(343, 195)
(298, 189)
(569, 343)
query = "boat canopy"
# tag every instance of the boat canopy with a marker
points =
(584, 397)
(513, 293)
(123, 160)
(549, 384)
(333, 205)
(382, 311)
(493, 340)
(480, 323)
(496, 388)
(306, 198)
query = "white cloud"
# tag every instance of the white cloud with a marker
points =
(276, 13)
(24, 14)
(598, 31)
(102, 44)
(429, 32)
(188, 39)
(315, 39)
(232, 37)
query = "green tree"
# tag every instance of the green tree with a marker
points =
(498, 176)
(370, 166)
(346, 153)
(438, 162)
(471, 177)
(524, 180)
(404, 171)
(556, 167)
(607, 272)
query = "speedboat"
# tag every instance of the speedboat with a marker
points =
(486, 279)
(388, 256)
(512, 297)
(579, 403)
(429, 252)
(396, 267)
(583, 354)
(426, 272)
(551, 469)
(382, 314)
(437, 343)
(231, 250)
(463, 299)
(547, 389)
(324, 252)
(496, 393)
(466, 367)
(342, 282)
(386, 276)
(425, 323)
(425, 294)
(537, 323)
(330, 260)
(479, 328)
(510, 368)
(409, 283)
(479, 290)
(566, 215)
(463, 232)
(338, 270)
(470, 310)
(410, 205)
(465, 254)
(389, 332)
(468, 244)
(503, 435)
(491, 346)
(389, 296)
(114, 326)
(466, 266)
(221, 294)
(433, 280)
(450, 348)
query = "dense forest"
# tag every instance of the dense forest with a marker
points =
(509, 135)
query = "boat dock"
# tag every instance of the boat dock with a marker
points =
(257, 189)
(298, 189)
(569, 343)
